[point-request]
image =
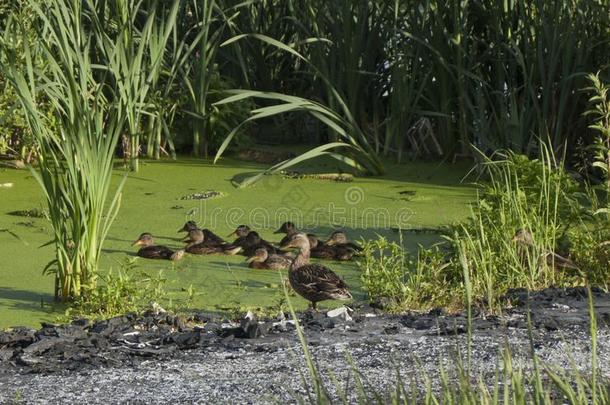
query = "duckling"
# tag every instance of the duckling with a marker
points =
(290, 229)
(313, 282)
(263, 260)
(198, 244)
(151, 251)
(209, 235)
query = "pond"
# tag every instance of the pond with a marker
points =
(158, 199)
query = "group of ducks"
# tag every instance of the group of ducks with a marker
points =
(312, 281)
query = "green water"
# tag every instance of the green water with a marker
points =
(432, 195)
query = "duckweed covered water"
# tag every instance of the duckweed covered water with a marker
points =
(412, 195)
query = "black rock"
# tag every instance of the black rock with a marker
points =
(423, 323)
(83, 322)
(212, 327)
(391, 330)
(19, 336)
(187, 340)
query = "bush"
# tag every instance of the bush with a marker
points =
(396, 280)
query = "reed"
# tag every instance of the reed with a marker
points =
(77, 143)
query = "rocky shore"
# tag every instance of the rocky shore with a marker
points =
(158, 357)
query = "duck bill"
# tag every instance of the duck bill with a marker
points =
(330, 242)
(137, 243)
(232, 234)
(278, 231)
(286, 248)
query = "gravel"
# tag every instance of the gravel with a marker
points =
(203, 359)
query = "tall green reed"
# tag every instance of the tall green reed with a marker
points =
(76, 153)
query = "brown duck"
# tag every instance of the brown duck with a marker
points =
(262, 259)
(209, 235)
(525, 239)
(197, 244)
(313, 282)
(250, 240)
(151, 251)
(290, 229)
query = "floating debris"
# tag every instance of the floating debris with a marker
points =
(6, 185)
(338, 177)
(438, 230)
(31, 213)
(264, 156)
(204, 195)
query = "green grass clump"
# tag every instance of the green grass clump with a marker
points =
(398, 280)
(530, 227)
(127, 290)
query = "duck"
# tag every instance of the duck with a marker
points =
(151, 251)
(339, 238)
(240, 232)
(209, 235)
(312, 281)
(290, 229)
(198, 244)
(253, 241)
(331, 251)
(262, 259)
(524, 238)
(250, 240)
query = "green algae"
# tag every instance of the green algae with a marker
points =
(151, 203)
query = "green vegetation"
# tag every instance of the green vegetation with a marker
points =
(152, 202)
(531, 227)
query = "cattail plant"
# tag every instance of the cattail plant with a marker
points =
(77, 144)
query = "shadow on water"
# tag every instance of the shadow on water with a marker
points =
(30, 302)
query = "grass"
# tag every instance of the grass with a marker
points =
(151, 203)
(457, 381)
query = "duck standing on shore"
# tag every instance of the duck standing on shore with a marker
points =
(312, 281)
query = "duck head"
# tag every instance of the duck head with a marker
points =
(287, 228)
(240, 231)
(337, 238)
(145, 239)
(524, 237)
(188, 226)
(298, 241)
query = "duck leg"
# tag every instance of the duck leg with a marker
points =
(314, 306)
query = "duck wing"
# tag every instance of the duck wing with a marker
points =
(316, 283)
(277, 262)
(204, 249)
(343, 252)
(322, 252)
